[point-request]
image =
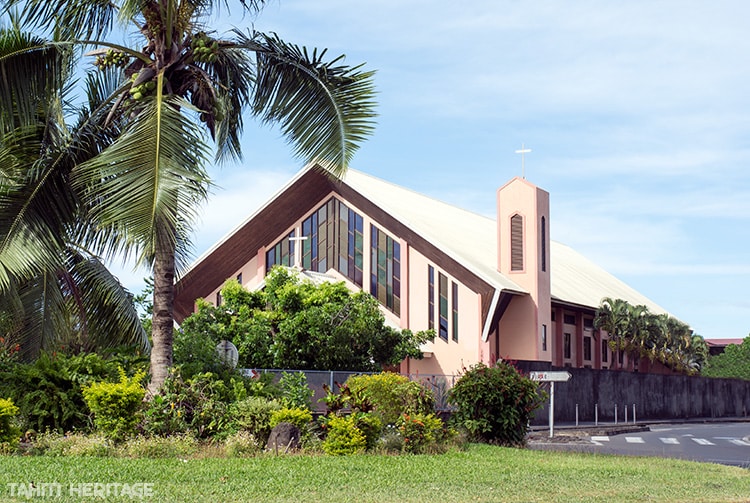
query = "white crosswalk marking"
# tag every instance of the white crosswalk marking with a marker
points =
(598, 439)
(702, 441)
(634, 440)
(670, 440)
(737, 441)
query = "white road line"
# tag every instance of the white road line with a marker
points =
(635, 440)
(597, 439)
(702, 441)
(737, 441)
(670, 440)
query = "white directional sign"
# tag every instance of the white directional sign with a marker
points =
(552, 376)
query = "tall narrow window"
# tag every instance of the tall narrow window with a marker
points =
(544, 337)
(587, 348)
(566, 346)
(281, 253)
(516, 243)
(605, 350)
(544, 244)
(454, 309)
(219, 300)
(351, 244)
(239, 278)
(385, 269)
(318, 250)
(443, 291)
(431, 297)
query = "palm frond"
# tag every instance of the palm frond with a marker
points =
(105, 310)
(31, 73)
(44, 315)
(325, 109)
(73, 19)
(229, 87)
(152, 177)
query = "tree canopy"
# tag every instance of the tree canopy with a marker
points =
(658, 337)
(734, 362)
(155, 110)
(299, 325)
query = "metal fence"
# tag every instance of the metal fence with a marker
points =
(438, 384)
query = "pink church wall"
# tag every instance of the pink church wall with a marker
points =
(447, 357)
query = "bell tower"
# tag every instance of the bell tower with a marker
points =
(523, 256)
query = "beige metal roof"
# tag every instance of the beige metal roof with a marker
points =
(471, 239)
(577, 280)
(467, 237)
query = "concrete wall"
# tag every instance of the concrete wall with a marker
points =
(654, 396)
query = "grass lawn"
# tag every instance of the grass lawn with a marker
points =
(480, 474)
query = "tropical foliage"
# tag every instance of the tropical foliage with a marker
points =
(734, 362)
(130, 177)
(659, 337)
(298, 325)
(54, 289)
(495, 404)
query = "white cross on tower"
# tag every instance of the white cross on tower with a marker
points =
(523, 153)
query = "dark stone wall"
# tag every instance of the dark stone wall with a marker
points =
(655, 396)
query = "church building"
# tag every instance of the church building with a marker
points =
(489, 287)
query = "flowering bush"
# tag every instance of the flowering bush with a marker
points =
(420, 431)
(389, 395)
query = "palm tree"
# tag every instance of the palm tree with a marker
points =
(613, 316)
(638, 331)
(183, 84)
(54, 289)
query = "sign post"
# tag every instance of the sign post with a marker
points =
(551, 377)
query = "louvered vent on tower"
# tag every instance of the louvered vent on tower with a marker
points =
(516, 243)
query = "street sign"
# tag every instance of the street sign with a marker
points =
(552, 376)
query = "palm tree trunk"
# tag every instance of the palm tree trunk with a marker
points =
(163, 317)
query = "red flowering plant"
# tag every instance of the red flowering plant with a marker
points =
(9, 352)
(420, 432)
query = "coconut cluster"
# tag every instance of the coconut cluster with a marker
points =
(205, 49)
(111, 58)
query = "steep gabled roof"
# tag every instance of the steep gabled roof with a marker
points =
(462, 242)
(471, 239)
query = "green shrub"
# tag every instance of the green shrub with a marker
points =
(48, 391)
(389, 395)
(73, 444)
(173, 446)
(242, 444)
(421, 432)
(9, 432)
(295, 393)
(253, 415)
(343, 437)
(198, 406)
(370, 425)
(495, 404)
(298, 417)
(115, 405)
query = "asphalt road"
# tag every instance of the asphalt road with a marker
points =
(724, 443)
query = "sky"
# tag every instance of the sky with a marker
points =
(637, 115)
